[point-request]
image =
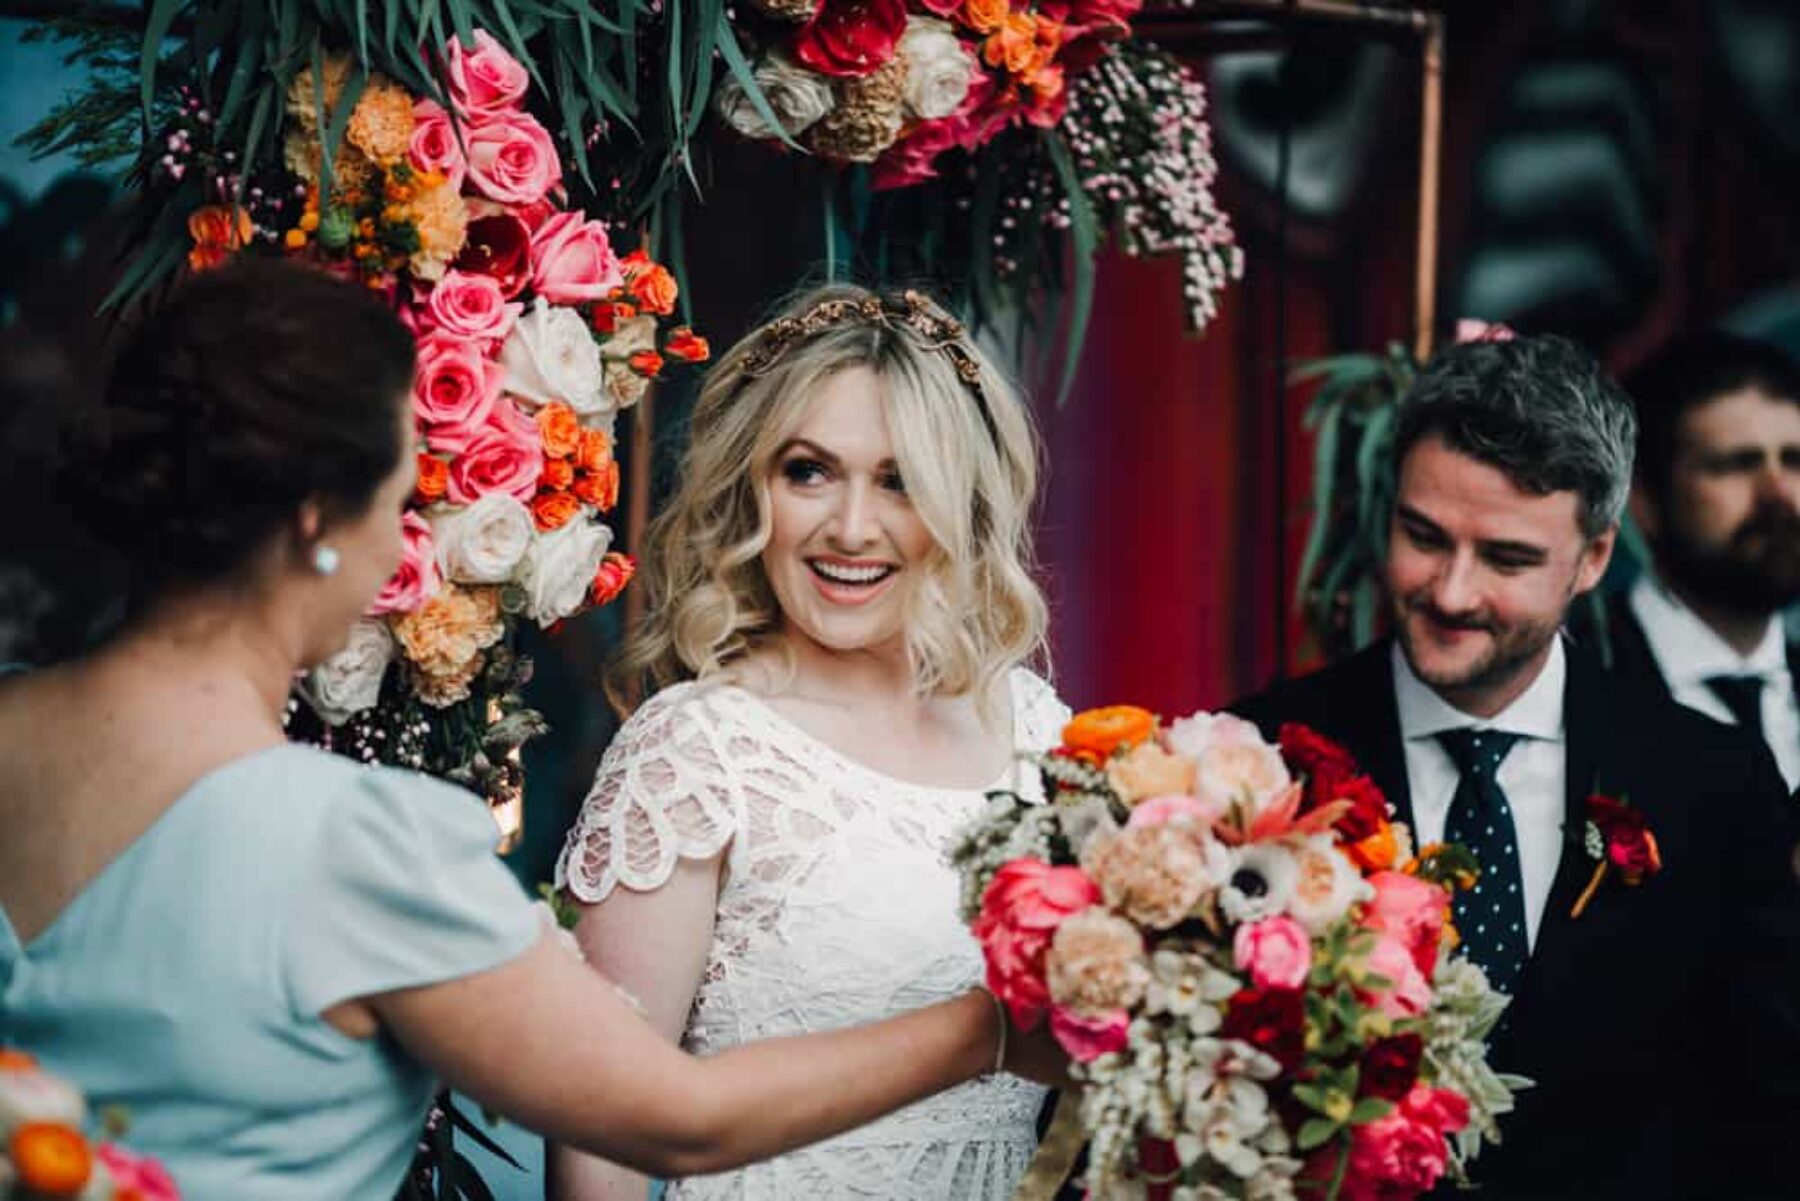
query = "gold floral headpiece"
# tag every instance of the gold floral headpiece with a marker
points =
(908, 309)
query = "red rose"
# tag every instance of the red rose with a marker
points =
(1273, 1020)
(851, 37)
(1390, 1066)
(1368, 808)
(498, 246)
(1309, 752)
(1630, 846)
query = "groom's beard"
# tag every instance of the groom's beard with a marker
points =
(1507, 649)
(1754, 572)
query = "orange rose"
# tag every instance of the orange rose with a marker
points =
(434, 478)
(635, 264)
(600, 488)
(595, 451)
(607, 314)
(558, 474)
(615, 572)
(1100, 732)
(561, 429)
(984, 16)
(51, 1158)
(687, 345)
(655, 290)
(218, 230)
(1014, 45)
(552, 510)
(646, 363)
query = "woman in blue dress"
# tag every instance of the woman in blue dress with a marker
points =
(271, 955)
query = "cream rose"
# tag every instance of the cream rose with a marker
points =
(938, 69)
(559, 569)
(350, 681)
(1326, 884)
(483, 543)
(798, 98)
(552, 356)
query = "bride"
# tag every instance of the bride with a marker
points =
(840, 608)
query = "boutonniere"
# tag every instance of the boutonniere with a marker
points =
(1618, 839)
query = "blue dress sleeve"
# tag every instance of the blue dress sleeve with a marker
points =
(402, 889)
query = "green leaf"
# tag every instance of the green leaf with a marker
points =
(739, 66)
(1315, 1133)
(157, 23)
(1370, 1109)
(1325, 450)
(1086, 234)
(1311, 1095)
(245, 70)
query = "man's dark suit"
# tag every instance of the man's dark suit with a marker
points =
(1663, 1026)
(1635, 665)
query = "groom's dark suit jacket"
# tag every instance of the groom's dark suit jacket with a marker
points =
(1662, 1028)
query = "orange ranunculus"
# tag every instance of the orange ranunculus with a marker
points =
(687, 345)
(51, 1158)
(552, 510)
(434, 478)
(1014, 45)
(595, 451)
(607, 314)
(218, 231)
(615, 572)
(558, 474)
(984, 16)
(1377, 852)
(14, 1060)
(1100, 732)
(655, 290)
(600, 488)
(561, 429)
(646, 363)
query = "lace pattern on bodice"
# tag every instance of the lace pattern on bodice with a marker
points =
(837, 907)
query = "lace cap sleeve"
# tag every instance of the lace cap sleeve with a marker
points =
(664, 792)
(1039, 713)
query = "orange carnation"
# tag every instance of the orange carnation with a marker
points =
(595, 451)
(558, 474)
(218, 230)
(687, 345)
(552, 510)
(615, 572)
(655, 290)
(600, 488)
(51, 1158)
(433, 478)
(1100, 732)
(561, 429)
(1014, 45)
(646, 363)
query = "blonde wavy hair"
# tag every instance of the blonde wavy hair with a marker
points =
(973, 612)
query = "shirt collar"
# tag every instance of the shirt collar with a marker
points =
(1688, 650)
(1535, 713)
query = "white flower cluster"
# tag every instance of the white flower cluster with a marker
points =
(1007, 829)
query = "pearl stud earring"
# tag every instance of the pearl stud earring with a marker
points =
(325, 559)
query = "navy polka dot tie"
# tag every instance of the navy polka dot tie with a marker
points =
(1491, 916)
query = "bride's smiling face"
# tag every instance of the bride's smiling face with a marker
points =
(844, 537)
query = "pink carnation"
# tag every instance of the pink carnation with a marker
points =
(1023, 905)
(137, 1176)
(434, 146)
(471, 306)
(1088, 1038)
(572, 260)
(1412, 910)
(416, 579)
(455, 387)
(512, 159)
(1403, 1155)
(485, 80)
(1176, 808)
(1275, 951)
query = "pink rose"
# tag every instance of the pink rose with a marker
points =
(1023, 905)
(137, 1176)
(1412, 910)
(416, 579)
(1474, 329)
(1403, 1155)
(1175, 807)
(497, 460)
(1088, 1038)
(470, 306)
(454, 389)
(1408, 992)
(512, 159)
(1275, 951)
(486, 80)
(912, 159)
(434, 146)
(572, 260)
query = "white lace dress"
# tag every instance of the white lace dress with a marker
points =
(837, 907)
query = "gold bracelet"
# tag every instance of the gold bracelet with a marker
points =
(999, 1016)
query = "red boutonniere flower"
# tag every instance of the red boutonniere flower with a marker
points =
(1618, 839)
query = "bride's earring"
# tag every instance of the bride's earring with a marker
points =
(325, 559)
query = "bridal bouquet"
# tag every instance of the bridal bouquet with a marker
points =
(44, 1152)
(1244, 959)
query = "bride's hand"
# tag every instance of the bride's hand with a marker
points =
(1035, 1055)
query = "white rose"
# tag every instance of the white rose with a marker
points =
(350, 681)
(552, 356)
(798, 98)
(559, 569)
(632, 335)
(937, 68)
(624, 386)
(481, 544)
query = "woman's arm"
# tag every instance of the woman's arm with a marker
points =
(654, 945)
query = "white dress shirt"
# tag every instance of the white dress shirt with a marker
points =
(1687, 651)
(1533, 774)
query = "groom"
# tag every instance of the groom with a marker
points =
(1662, 1026)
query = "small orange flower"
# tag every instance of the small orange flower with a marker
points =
(687, 345)
(984, 16)
(1377, 852)
(655, 290)
(558, 474)
(434, 478)
(607, 314)
(1100, 732)
(635, 264)
(552, 510)
(615, 572)
(600, 488)
(51, 1158)
(14, 1060)
(561, 429)
(1014, 45)
(646, 363)
(217, 231)
(595, 451)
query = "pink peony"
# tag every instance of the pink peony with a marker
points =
(1412, 910)
(1023, 905)
(486, 80)
(512, 159)
(1404, 1154)
(137, 1176)
(470, 306)
(1275, 951)
(455, 387)
(1173, 808)
(1408, 993)
(572, 260)
(434, 146)
(1088, 1038)
(416, 579)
